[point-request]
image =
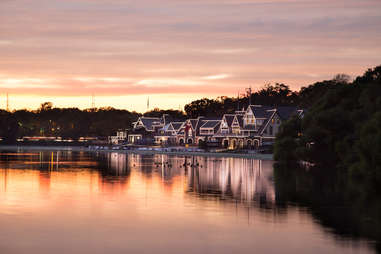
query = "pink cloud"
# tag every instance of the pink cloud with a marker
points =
(207, 47)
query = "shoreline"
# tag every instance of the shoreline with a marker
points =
(145, 152)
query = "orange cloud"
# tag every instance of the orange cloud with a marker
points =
(176, 47)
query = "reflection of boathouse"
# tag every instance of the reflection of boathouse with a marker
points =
(239, 179)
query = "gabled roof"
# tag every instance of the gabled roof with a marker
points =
(200, 122)
(166, 119)
(210, 123)
(285, 112)
(264, 125)
(239, 120)
(176, 125)
(149, 122)
(167, 127)
(193, 123)
(260, 111)
(229, 119)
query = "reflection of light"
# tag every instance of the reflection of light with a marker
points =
(150, 177)
(243, 179)
(19, 154)
(118, 162)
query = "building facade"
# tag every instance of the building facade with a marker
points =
(249, 128)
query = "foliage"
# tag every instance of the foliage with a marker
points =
(175, 114)
(342, 205)
(273, 95)
(285, 147)
(9, 127)
(203, 107)
(342, 128)
(64, 122)
(278, 94)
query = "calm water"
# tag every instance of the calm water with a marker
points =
(71, 202)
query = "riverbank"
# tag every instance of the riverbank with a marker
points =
(137, 151)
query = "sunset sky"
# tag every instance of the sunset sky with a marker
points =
(175, 51)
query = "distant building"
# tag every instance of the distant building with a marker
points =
(168, 134)
(145, 129)
(254, 127)
(121, 137)
(251, 128)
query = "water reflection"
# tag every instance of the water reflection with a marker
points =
(239, 179)
(117, 203)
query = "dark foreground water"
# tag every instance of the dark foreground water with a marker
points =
(75, 202)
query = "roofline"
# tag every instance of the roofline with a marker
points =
(275, 112)
(147, 117)
(218, 122)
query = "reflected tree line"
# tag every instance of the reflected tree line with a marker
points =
(333, 201)
(336, 202)
(330, 161)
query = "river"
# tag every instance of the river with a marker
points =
(80, 202)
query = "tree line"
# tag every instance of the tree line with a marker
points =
(277, 94)
(341, 130)
(68, 123)
(101, 122)
(339, 140)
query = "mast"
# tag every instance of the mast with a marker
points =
(92, 101)
(7, 102)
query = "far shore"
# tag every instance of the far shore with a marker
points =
(145, 152)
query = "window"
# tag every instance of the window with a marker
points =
(271, 130)
(273, 121)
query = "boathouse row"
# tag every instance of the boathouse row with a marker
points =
(248, 128)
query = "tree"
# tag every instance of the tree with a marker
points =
(342, 78)
(9, 127)
(46, 106)
(368, 147)
(341, 129)
(286, 144)
(174, 114)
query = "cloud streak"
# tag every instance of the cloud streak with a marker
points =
(72, 48)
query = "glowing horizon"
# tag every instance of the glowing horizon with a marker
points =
(176, 51)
